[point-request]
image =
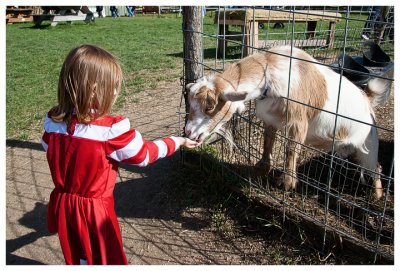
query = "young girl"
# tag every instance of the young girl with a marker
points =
(84, 146)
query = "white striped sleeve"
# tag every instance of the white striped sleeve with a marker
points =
(131, 148)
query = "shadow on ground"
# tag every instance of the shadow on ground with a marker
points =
(34, 220)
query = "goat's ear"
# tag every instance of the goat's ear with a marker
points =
(201, 92)
(234, 96)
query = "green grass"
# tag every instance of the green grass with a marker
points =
(148, 47)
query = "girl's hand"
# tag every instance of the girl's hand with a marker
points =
(188, 143)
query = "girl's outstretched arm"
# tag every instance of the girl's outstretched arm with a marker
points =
(128, 146)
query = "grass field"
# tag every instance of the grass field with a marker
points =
(149, 49)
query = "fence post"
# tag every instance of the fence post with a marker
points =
(192, 47)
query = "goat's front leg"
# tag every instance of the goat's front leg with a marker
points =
(297, 134)
(265, 164)
(378, 183)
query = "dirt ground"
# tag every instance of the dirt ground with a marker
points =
(160, 223)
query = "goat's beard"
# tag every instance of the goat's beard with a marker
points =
(225, 133)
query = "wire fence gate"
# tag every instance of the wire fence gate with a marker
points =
(357, 42)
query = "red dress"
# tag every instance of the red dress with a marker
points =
(83, 161)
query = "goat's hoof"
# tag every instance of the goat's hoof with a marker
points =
(262, 168)
(288, 182)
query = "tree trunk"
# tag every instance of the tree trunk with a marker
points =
(192, 46)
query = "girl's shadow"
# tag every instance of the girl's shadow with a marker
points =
(36, 220)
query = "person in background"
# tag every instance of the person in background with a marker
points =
(131, 11)
(99, 10)
(114, 11)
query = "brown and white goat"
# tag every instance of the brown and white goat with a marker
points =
(272, 77)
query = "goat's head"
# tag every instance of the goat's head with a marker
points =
(209, 109)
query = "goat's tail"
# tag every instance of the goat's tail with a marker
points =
(378, 89)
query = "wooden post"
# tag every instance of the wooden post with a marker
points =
(192, 47)
(251, 37)
(331, 37)
(222, 44)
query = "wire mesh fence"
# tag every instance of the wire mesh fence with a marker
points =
(331, 194)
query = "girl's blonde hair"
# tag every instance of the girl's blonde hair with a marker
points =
(89, 82)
